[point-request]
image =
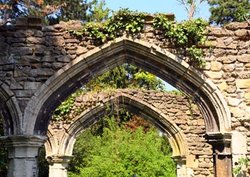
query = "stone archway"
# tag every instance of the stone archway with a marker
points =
(151, 58)
(62, 136)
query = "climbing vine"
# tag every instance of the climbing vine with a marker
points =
(123, 21)
(240, 165)
(185, 36)
(66, 106)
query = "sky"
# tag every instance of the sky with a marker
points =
(154, 6)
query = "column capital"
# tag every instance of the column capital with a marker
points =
(23, 146)
(23, 140)
(63, 159)
(221, 143)
(219, 138)
(58, 165)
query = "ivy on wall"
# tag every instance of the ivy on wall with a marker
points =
(185, 36)
(123, 21)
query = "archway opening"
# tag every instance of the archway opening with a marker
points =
(200, 152)
(115, 147)
(128, 76)
(151, 58)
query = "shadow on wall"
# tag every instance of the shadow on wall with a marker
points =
(3, 153)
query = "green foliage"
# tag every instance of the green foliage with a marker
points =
(66, 106)
(52, 11)
(98, 12)
(225, 11)
(238, 169)
(126, 76)
(120, 152)
(186, 36)
(71, 9)
(122, 21)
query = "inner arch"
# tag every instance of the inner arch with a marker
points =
(132, 104)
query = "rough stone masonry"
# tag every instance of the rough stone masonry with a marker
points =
(32, 55)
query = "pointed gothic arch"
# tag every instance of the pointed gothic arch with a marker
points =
(147, 56)
(130, 103)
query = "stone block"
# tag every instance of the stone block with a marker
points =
(244, 58)
(34, 40)
(23, 33)
(81, 50)
(228, 67)
(243, 83)
(214, 75)
(247, 96)
(215, 66)
(228, 41)
(247, 65)
(233, 101)
(24, 93)
(241, 33)
(14, 85)
(227, 60)
(41, 72)
(64, 59)
(237, 25)
(239, 143)
(31, 85)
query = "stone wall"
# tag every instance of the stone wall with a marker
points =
(228, 66)
(177, 108)
(29, 55)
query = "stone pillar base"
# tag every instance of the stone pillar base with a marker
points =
(22, 154)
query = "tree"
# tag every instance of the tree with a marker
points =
(225, 11)
(120, 152)
(54, 11)
(98, 12)
(71, 9)
(89, 153)
(126, 76)
(191, 6)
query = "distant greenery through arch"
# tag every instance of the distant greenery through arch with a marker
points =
(133, 148)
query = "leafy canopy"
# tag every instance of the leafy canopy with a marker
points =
(56, 10)
(225, 11)
(120, 152)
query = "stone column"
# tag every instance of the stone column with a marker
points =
(222, 154)
(22, 154)
(58, 165)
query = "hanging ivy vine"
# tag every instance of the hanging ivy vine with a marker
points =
(186, 36)
(123, 21)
